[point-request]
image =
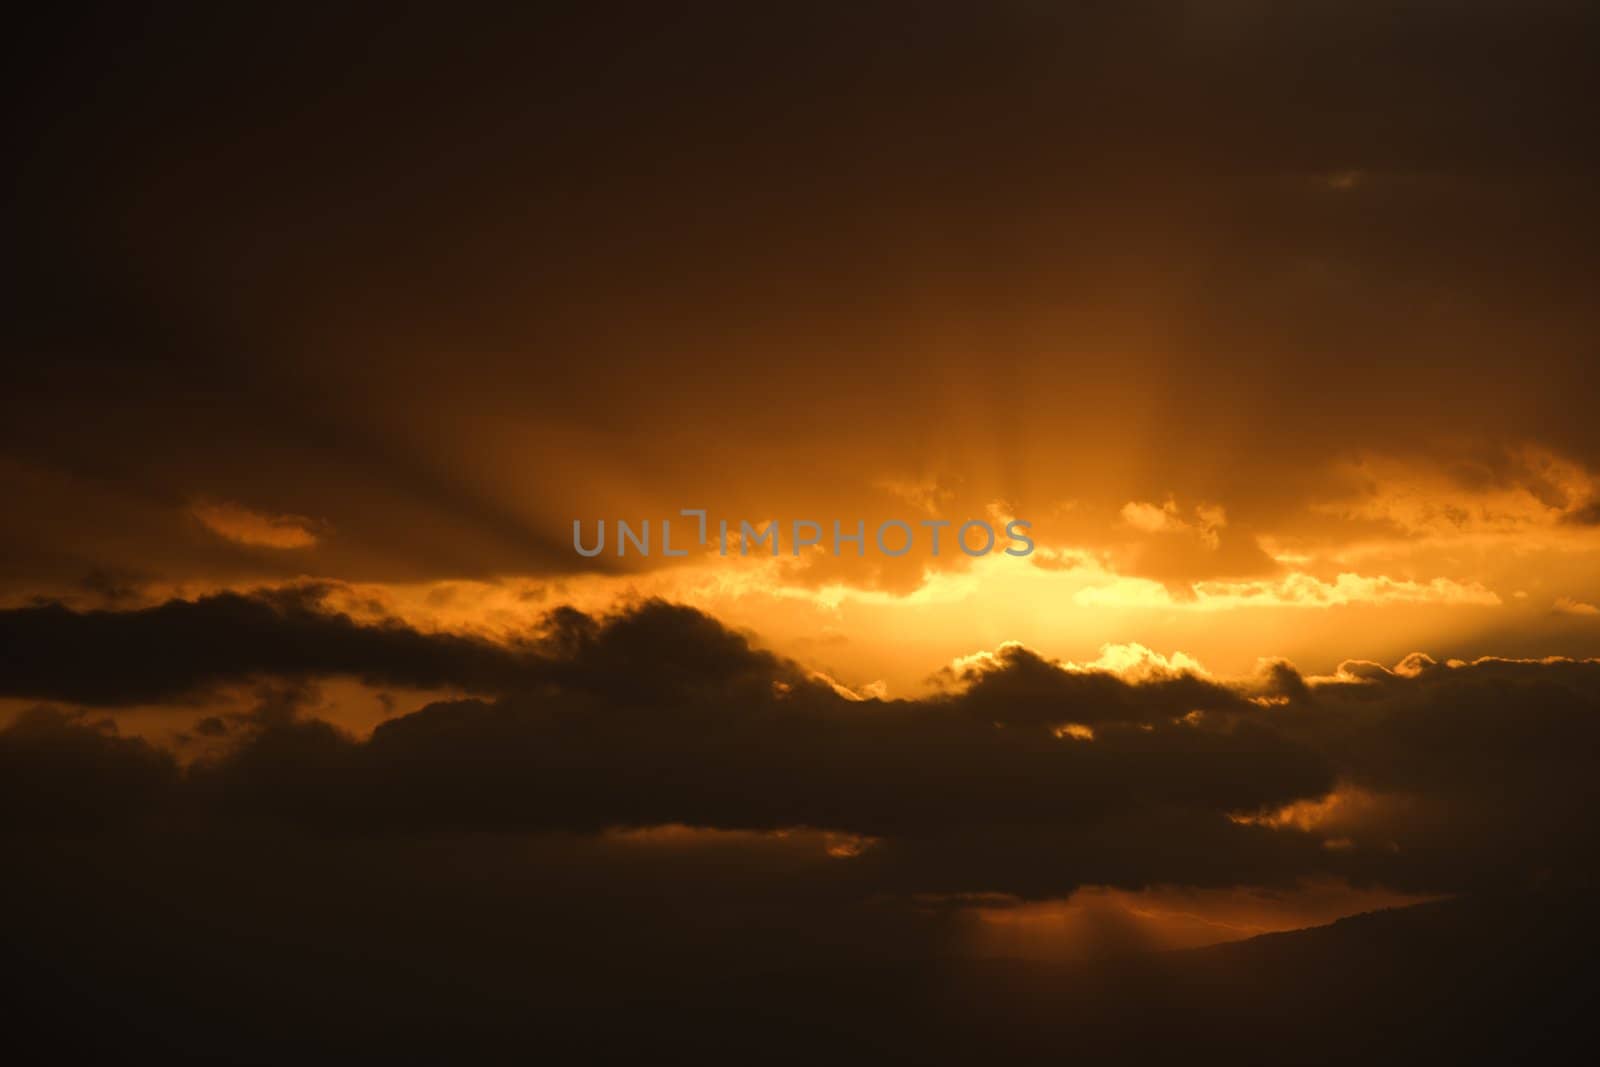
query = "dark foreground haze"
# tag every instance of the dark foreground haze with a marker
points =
(286, 952)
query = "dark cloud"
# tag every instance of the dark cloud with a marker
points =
(178, 648)
(1481, 772)
(61, 772)
(659, 715)
(1022, 687)
(1020, 777)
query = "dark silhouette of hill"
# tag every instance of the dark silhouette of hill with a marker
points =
(1503, 978)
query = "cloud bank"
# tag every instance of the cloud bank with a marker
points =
(1021, 775)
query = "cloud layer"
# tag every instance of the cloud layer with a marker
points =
(1020, 776)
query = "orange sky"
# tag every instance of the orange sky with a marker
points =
(1282, 355)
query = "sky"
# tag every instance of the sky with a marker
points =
(1274, 324)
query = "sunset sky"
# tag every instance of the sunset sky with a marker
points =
(1275, 321)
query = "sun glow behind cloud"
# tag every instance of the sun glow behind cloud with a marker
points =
(1318, 608)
